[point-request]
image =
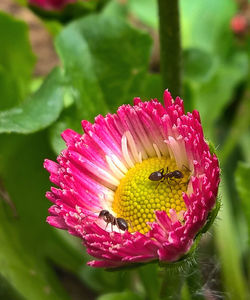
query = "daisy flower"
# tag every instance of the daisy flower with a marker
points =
(139, 185)
(51, 4)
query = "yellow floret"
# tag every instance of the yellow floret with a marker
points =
(137, 197)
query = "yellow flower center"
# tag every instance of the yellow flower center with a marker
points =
(137, 197)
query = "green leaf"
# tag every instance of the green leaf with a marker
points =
(7, 291)
(127, 295)
(16, 61)
(116, 8)
(245, 145)
(152, 87)
(67, 120)
(103, 281)
(28, 241)
(26, 273)
(105, 62)
(212, 96)
(238, 127)
(198, 65)
(39, 111)
(196, 18)
(205, 24)
(217, 53)
(145, 10)
(213, 67)
(242, 176)
(228, 249)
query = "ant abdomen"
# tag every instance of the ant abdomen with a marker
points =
(122, 224)
(110, 219)
(156, 176)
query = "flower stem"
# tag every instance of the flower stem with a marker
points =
(170, 45)
(171, 284)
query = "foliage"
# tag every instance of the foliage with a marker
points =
(16, 61)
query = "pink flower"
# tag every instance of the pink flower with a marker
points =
(51, 4)
(239, 24)
(108, 168)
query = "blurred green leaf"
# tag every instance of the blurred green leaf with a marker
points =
(213, 31)
(209, 35)
(238, 127)
(116, 8)
(18, 264)
(242, 176)
(152, 87)
(245, 145)
(105, 62)
(127, 295)
(16, 61)
(103, 281)
(67, 120)
(39, 111)
(212, 96)
(7, 291)
(213, 67)
(228, 249)
(198, 65)
(145, 10)
(226, 66)
(28, 241)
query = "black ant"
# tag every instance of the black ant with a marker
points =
(109, 218)
(160, 176)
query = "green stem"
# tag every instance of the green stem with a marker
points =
(170, 45)
(194, 282)
(171, 284)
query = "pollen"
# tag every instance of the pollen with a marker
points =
(137, 197)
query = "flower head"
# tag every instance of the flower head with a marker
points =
(137, 186)
(51, 4)
(240, 24)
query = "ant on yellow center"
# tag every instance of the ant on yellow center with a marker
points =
(110, 219)
(160, 176)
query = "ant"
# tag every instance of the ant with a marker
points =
(160, 176)
(109, 218)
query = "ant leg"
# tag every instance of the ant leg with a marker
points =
(189, 175)
(106, 226)
(162, 180)
(186, 183)
(167, 179)
(173, 180)
(186, 168)
(131, 226)
(157, 185)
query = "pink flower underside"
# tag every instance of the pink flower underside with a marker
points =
(83, 174)
(51, 4)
